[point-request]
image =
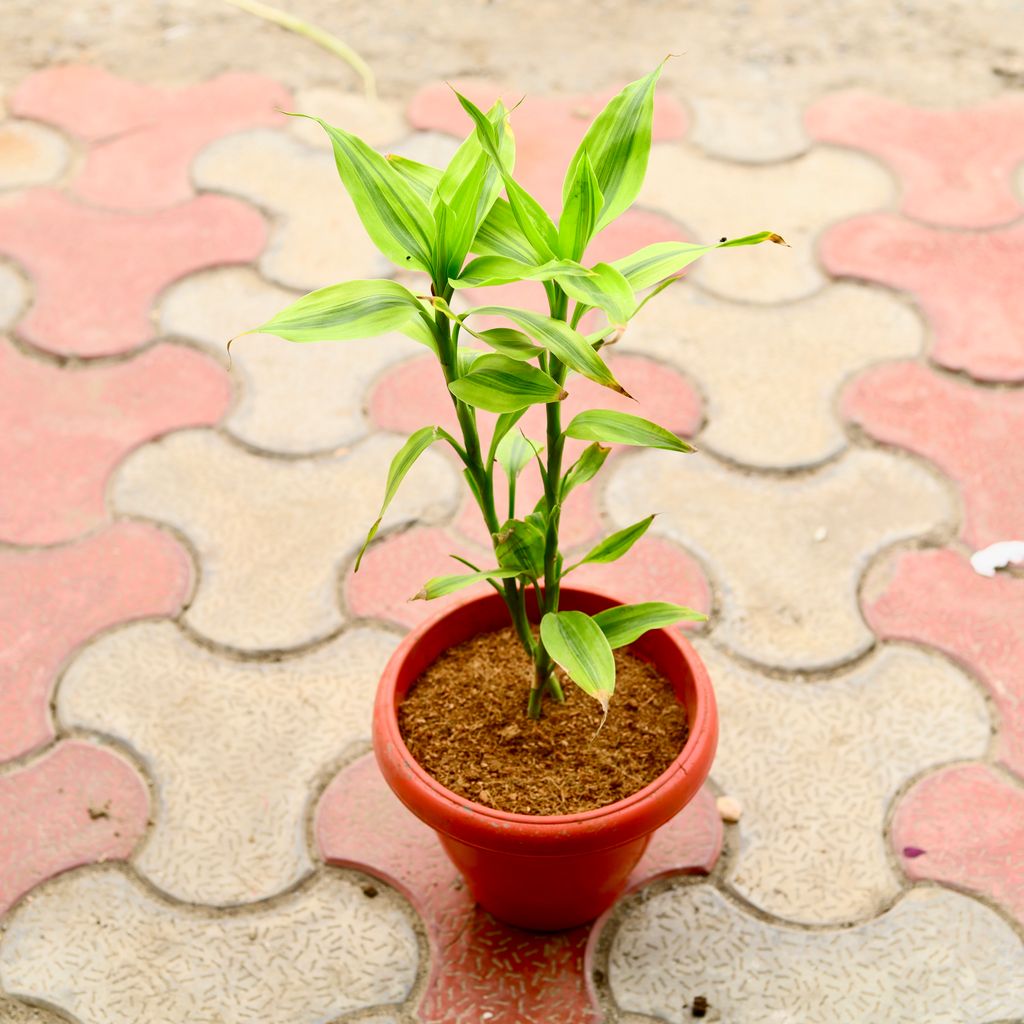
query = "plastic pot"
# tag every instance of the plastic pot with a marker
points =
(543, 872)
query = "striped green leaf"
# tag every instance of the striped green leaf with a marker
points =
(495, 270)
(501, 235)
(514, 452)
(499, 384)
(579, 214)
(615, 546)
(422, 177)
(508, 342)
(342, 312)
(584, 468)
(606, 289)
(623, 428)
(629, 622)
(442, 586)
(519, 544)
(576, 643)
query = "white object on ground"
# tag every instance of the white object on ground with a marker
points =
(996, 556)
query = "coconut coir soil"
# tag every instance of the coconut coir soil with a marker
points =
(464, 720)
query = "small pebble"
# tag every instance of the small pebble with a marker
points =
(700, 1006)
(820, 533)
(729, 809)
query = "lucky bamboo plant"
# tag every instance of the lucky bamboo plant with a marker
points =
(431, 220)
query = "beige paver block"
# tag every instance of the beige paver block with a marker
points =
(97, 945)
(376, 121)
(317, 238)
(936, 956)
(233, 747)
(771, 375)
(271, 534)
(797, 198)
(30, 154)
(785, 554)
(293, 398)
(13, 296)
(815, 766)
(756, 129)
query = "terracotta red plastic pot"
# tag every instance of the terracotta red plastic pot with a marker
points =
(534, 871)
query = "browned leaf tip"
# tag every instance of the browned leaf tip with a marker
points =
(778, 240)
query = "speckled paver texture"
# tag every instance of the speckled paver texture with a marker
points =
(192, 829)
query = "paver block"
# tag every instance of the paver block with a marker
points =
(99, 946)
(955, 166)
(317, 238)
(63, 430)
(14, 296)
(797, 199)
(234, 748)
(30, 154)
(936, 598)
(293, 399)
(908, 405)
(376, 121)
(771, 374)
(55, 599)
(141, 139)
(936, 956)
(77, 804)
(272, 534)
(482, 970)
(784, 555)
(815, 785)
(96, 272)
(964, 826)
(966, 284)
(757, 130)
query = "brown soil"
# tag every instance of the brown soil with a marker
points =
(464, 720)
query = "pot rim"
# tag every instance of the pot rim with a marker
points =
(703, 721)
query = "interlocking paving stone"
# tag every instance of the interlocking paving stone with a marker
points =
(936, 598)
(395, 569)
(99, 946)
(292, 398)
(96, 272)
(53, 600)
(761, 129)
(375, 121)
(965, 826)
(787, 598)
(77, 804)
(482, 970)
(955, 166)
(771, 375)
(815, 766)
(936, 956)
(907, 404)
(272, 534)
(964, 282)
(63, 430)
(797, 198)
(13, 296)
(317, 238)
(141, 139)
(234, 748)
(30, 154)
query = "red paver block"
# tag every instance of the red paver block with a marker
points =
(966, 283)
(482, 970)
(62, 431)
(936, 598)
(973, 435)
(53, 600)
(964, 826)
(142, 139)
(78, 804)
(956, 166)
(97, 272)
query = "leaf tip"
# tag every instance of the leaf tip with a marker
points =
(563, 395)
(778, 240)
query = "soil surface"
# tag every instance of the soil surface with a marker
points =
(464, 720)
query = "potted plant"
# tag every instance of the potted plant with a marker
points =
(538, 870)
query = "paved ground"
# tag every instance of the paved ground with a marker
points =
(190, 827)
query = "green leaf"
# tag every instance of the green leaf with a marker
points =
(505, 422)
(494, 270)
(441, 586)
(508, 342)
(403, 461)
(618, 144)
(392, 211)
(422, 177)
(576, 643)
(341, 312)
(614, 547)
(519, 544)
(499, 384)
(584, 468)
(501, 235)
(561, 341)
(628, 622)
(514, 452)
(580, 211)
(606, 289)
(651, 264)
(623, 428)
